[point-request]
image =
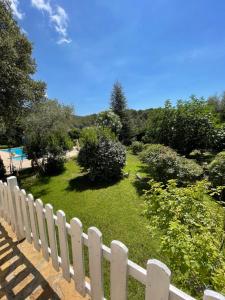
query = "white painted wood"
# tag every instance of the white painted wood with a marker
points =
(95, 263)
(176, 294)
(42, 228)
(157, 281)
(5, 202)
(211, 295)
(19, 213)
(33, 221)
(1, 200)
(12, 182)
(78, 256)
(52, 235)
(118, 271)
(26, 218)
(63, 242)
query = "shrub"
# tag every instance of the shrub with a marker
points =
(101, 154)
(108, 119)
(192, 233)
(164, 164)
(2, 169)
(137, 147)
(54, 165)
(216, 170)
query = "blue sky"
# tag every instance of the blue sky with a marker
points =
(157, 49)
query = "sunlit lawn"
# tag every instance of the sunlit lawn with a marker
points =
(117, 209)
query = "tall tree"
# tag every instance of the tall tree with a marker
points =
(118, 105)
(18, 90)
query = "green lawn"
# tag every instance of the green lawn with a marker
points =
(117, 210)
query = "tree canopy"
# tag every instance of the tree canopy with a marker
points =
(18, 90)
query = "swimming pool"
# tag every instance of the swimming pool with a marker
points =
(18, 152)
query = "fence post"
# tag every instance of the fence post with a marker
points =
(158, 281)
(211, 295)
(12, 183)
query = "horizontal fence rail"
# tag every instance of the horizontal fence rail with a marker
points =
(50, 233)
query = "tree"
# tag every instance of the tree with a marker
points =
(108, 119)
(18, 90)
(46, 132)
(119, 106)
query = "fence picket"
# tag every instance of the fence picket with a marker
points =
(7, 206)
(157, 281)
(118, 271)
(33, 221)
(42, 228)
(52, 236)
(95, 263)
(1, 200)
(29, 219)
(12, 182)
(78, 257)
(63, 242)
(25, 213)
(19, 213)
(211, 295)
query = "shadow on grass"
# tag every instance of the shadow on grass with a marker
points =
(141, 185)
(83, 182)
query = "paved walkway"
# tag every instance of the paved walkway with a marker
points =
(24, 274)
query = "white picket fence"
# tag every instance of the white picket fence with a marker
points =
(49, 233)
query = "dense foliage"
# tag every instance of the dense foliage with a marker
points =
(18, 90)
(193, 234)
(46, 132)
(101, 154)
(217, 170)
(137, 147)
(164, 164)
(186, 127)
(108, 119)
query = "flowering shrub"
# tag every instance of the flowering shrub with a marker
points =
(108, 119)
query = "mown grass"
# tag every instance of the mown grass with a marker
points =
(116, 210)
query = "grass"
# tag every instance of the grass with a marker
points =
(116, 210)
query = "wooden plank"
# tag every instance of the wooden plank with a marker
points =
(19, 213)
(95, 263)
(12, 183)
(78, 256)
(118, 271)
(42, 228)
(26, 218)
(5, 201)
(1, 199)
(63, 242)
(33, 221)
(157, 281)
(211, 295)
(52, 235)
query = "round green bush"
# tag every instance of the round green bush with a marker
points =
(102, 156)
(164, 164)
(137, 147)
(216, 170)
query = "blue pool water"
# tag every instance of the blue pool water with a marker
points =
(19, 154)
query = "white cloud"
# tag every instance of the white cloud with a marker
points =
(58, 17)
(14, 6)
